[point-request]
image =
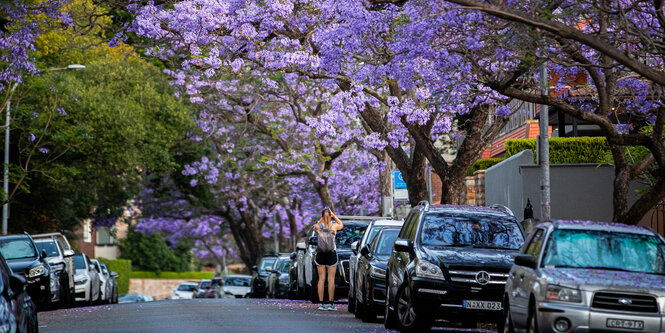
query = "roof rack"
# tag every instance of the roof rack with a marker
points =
(425, 204)
(503, 209)
(351, 217)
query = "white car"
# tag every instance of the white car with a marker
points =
(237, 286)
(105, 284)
(185, 290)
(86, 280)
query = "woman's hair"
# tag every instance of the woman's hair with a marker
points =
(323, 212)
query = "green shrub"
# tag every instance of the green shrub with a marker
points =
(484, 164)
(565, 150)
(172, 275)
(124, 269)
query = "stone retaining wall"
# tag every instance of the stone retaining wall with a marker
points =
(157, 288)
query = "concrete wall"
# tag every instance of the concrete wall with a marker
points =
(578, 191)
(157, 288)
(504, 184)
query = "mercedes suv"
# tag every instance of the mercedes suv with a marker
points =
(580, 276)
(450, 262)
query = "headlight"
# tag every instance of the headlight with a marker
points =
(36, 271)
(81, 279)
(377, 272)
(426, 269)
(558, 293)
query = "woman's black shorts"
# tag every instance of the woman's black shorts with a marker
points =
(326, 259)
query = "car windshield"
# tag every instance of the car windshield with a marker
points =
(237, 282)
(604, 249)
(350, 233)
(484, 231)
(266, 263)
(18, 248)
(283, 266)
(50, 247)
(186, 287)
(204, 284)
(79, 262)
(385, 244)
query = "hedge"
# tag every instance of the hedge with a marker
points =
(484, 164)
(565, 150)
(172, 275)
(124, 269)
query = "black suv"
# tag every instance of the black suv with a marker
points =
(19, 313)
(260, 278)
(25, 260)
(450, 262)
(60, 257)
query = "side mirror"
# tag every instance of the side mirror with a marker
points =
(313, 241)
(364, 251)
(43, 254)
(68, 253)
(403, 245)
(254, 268)
(354, 247)
(16, 284)
(525, 260)
(114, 275)
(301, 246)
(294, 255)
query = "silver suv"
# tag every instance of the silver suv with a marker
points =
(578, 276)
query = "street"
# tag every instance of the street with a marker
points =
(209, 315)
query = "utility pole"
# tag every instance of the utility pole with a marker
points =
(544, 149)
(274, 224)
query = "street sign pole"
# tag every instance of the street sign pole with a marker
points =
(544, 149)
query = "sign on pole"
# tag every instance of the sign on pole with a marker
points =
(399, 186)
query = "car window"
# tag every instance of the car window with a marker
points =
(371, 232)
(187, 287)
(17, 249)
(536, 244)
(605, 250)
(237, 282)
(383, 245)
(350, 233)
(204, 284)
(50, 247)
(407, 229)
(266, 263)
(63, 244)
(79, 262)
(283, 266)
(484, 231)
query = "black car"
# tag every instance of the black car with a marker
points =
(278, 280)
(370, 295)
(18, 310)
(25, 260)
(293, 276)
(450, 262)
(353, 231)
(260, 277)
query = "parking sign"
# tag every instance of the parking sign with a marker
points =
(398, 180)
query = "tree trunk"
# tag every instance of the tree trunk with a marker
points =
(415, 178)
(384, 181)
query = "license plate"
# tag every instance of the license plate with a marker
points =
(482, 305)
(625, 324)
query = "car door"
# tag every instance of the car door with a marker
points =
(399, 260)
(522, 278)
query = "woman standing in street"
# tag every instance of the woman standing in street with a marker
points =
(326, 255)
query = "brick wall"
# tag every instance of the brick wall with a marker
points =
(157, 288)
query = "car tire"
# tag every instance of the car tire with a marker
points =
(408, 319)
(505, 323)
(352, 301)
(532, 320)
(389, 316)
(358, 308)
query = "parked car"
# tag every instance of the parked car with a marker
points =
(111, 276)
(237, 286)
(370, 298)
(24, 259)
(353, 231)
(201, 288)
(371, 231)
(278, 279)
(18, 310)
(215, 290)
(105, 284)
(86, 280)
(260, 277)
(59, 255)
(185, 290)
(133, 298)
(293, 276)
(574, 276)
(450, 262)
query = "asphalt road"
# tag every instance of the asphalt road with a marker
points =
(208, 315)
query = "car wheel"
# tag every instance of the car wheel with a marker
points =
(352, 300)
(505, 323)
(389, 316)
(313, 290)
(532, 321)
(408, 320)
(358, 308)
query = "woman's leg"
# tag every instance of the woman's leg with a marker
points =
(322, 280)
(331, 283)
